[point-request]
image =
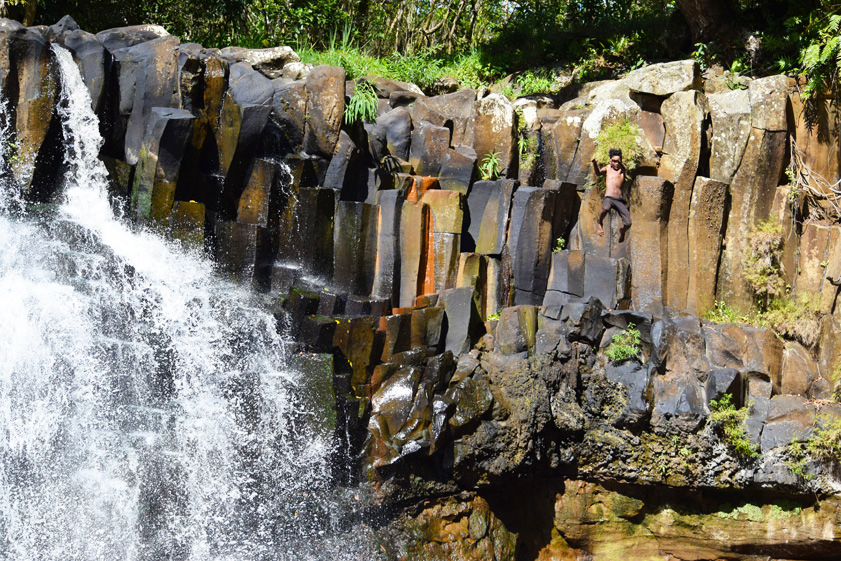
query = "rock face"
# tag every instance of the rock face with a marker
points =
(469, 328)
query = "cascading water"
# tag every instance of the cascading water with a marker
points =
(145, 409)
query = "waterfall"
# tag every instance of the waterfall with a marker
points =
(146, 409)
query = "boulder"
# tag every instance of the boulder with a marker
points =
(494, 219)
(537, 219)
(453, 111)
(705, 233)
(464, 326)
(447, 210)
(731, 125)
(236, 250)
(799, 374)
(94, 63)
(789, 418)
(254, 201)
(148, 78)
(515, 333)
(752, 195)
(325, 86)
(768, 102)
(386, 270)
(37, 92)
(430, 145)
(124, 37)
(156, 175)
(289, 111)
(458, 169)
(243, 117)
(665, 78)
(635, 378)
(340, 173)
(679, 404)
(414, 233)
(441, 262)
(354, 246)
(562, 143)
(684, 115)
(187, 223)
(651, 200)
(269, 62)
(494, 130)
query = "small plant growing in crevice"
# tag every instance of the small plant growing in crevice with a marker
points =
(624, 345)
(490, 167)
(822, 445)
(798, 457)
(732, 423)
(560, 244)
(797, 319)
(763, 262)
(493, 317)
(363, 105)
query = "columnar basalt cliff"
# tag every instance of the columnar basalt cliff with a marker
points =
(461, 351)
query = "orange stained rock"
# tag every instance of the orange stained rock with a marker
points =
(427, 268)
(421, 185)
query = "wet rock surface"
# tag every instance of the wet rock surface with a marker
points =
(460, 330)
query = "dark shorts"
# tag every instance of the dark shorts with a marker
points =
(621, 206)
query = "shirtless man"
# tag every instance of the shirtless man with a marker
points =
(615, 177)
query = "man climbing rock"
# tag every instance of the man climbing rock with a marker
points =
(614, 178)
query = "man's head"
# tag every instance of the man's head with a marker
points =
(615, 157)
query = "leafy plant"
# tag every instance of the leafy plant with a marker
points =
(820, 59)
(363, 105)
(624, 345)
(732, 422)
(763, 262)
(723, 313)
(797, 319)
(623, 135)
(824, 444)
(490, 166)
(560, 244)
(493, 317)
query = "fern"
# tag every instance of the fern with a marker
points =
(363, 105)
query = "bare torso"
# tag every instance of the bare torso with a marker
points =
(614, 178)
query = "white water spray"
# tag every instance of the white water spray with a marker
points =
(145, 409)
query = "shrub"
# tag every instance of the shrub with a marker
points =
(824, 444)
(763, 267)
(624, 345)
(560, 244)
(732, 423)
(363, 105)
(794, 319)
(623, 135)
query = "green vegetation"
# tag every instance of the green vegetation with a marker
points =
(723, 313)
(732, 423)
(823, 446)
(763, 262)
(493, 317)
(623, 135)
(797, 319)
(363, 105)
(560, 244)
(490, 167)
(479, 42)
(624, 345)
